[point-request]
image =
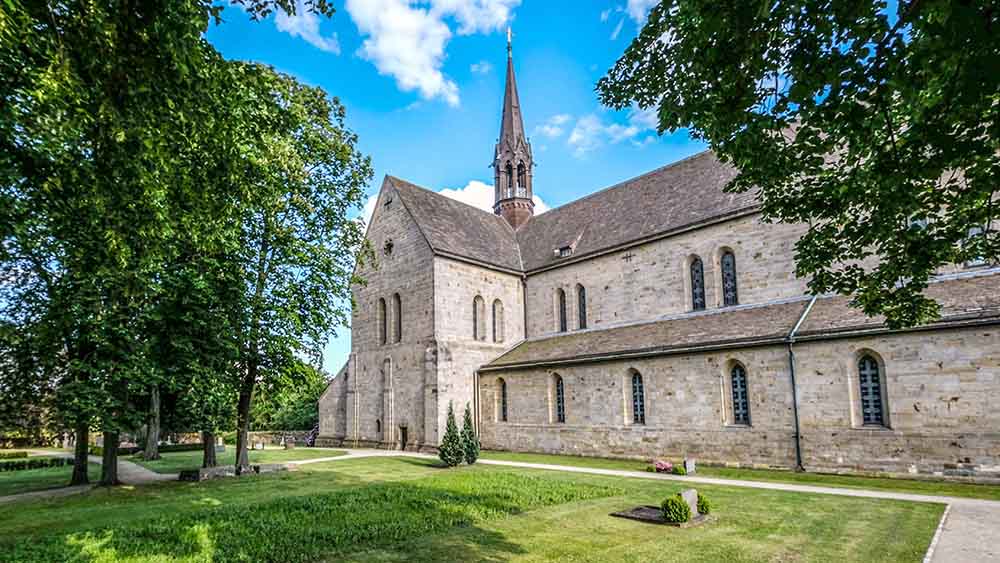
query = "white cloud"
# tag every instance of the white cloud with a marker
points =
(482, 67)
(407, 40)
(618, 29)
(638, 9)
(553, 126)
(605, 14)
(305, 24)
(480, 194)
(590, 132)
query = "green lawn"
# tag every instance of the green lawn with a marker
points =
(405, 509)
(926, 487)
(16, 482)
(175, 462)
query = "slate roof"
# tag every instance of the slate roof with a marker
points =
(741, 326)
(964, 300)
(678, 196)
(458, 229)
(671, 198)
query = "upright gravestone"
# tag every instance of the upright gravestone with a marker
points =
(689, 466)
(690, 496)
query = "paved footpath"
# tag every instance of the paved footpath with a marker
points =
(968, 533)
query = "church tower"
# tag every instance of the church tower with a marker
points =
(512, 162)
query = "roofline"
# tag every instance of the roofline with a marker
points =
(474, 262)
(736, 343)
(701, 223)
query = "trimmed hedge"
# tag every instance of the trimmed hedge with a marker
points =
(13, 455)
(704, 507)
(34, 463)
(679, 470)
(675, 510)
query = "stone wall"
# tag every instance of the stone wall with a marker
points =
(651, 280)
(459, 355)
(940, 393)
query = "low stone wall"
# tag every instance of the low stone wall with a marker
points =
(278, 438)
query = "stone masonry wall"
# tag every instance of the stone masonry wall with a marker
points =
(388, 385)
(459, 355)
(940, 393)
(653, 279)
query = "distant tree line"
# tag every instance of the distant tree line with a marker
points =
(174, 230)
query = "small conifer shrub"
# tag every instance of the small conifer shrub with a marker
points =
(675, 510)
(470, 442)
(450, 452)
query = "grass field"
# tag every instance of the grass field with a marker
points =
(29, 480)
(175, 462)
(405, 509)
(923, 487)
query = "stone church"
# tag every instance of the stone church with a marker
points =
(659, 317)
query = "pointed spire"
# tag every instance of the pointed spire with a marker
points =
(512, 126)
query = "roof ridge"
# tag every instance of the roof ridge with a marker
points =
(632, 179)
(439, 194)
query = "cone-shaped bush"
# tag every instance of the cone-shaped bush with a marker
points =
(450, 452)
(470, 442)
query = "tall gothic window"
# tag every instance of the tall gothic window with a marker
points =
(729, 295)
(510, 180)
(498, 328)
(872, 410)
(741, 403)
(503, 399)
(561, 298)
(638, 399)
(382, 322)
(522, 180)
(560, 399)
(697, 284)
(397, 310)
(478, 318)
(581, 305)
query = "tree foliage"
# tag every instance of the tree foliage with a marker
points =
(878, 127)
(290, 401)
(470, 442)
(450, 451)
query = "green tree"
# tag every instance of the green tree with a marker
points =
(878, 128)
(450, 452)
(470, 442)
(297, 244)
(290, 401)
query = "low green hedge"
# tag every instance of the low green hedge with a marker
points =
(704, 507)
(675, 510)
(13, 455)
(34, 463)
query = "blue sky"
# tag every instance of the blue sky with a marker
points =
(423, 83)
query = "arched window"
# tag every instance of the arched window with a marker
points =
(560, 399)
(561, 298)
(729, 295)
(522, 180)
(478, 318)
(872, 405)
(697, 285)
(510, 180)
(741, 403)
(498, 328)
(581, 304)
(382, 322)
(638, 399)
(378, 427)
(397, 317)
(502, 407)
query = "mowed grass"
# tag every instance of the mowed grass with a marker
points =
(30, 480)
(175, 462)
(923, 487)
(404, 509)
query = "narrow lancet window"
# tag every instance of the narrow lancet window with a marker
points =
(697, 285)
(638, 399)
(741, 403)
(729, 294)
(872, 409)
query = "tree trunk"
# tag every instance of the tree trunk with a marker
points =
(153, 427)
(243, 421)
(80, 453)
(208, 449)
(109, 462)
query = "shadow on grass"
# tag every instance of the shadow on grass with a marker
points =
(309, 528)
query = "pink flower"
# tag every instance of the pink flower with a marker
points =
(663, 466)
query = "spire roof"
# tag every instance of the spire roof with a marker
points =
(511, 126)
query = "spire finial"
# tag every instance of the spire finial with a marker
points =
(508, 41)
